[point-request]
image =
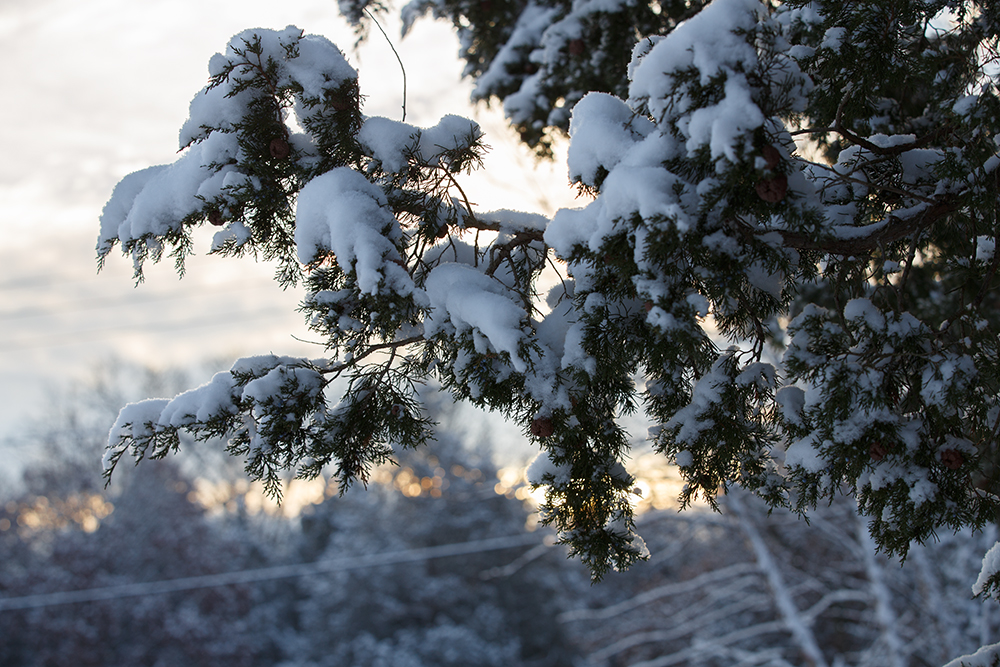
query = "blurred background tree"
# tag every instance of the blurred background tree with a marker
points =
(743, 586)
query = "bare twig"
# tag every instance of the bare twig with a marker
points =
(379, 26)
(393, 345)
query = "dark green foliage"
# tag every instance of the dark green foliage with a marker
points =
(788, 264)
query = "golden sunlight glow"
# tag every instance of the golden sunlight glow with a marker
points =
(656, 487)
(657, 484)
(42, 513)
(297, 494)
(410, 485)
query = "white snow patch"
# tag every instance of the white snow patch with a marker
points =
(341, 211)
(463, 299)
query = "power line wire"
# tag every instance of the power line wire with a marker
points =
(266, 573)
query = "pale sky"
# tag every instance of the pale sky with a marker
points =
(97, 89)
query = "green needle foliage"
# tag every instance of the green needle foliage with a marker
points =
(788, 263)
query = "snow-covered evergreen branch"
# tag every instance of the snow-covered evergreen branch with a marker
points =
(787, 262)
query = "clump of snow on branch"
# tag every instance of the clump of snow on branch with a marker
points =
(464, 299)
(153, 202)
(987, 656)
(603, 129)
(310, 62)
(988, 582)
(343, 213)
(393, 143)
(710, 46)
(263, 74)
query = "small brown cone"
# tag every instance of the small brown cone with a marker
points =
(771, 155)
(772, 190)
(877, 451)
(280, 149)
(542, 427)
(952, 459)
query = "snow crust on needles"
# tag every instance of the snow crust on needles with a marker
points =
(463, 298)
(392, 142)
(708, 43)
(609, 137)
(341, 211)
(317, 66)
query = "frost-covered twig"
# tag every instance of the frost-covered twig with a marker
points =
(885, 615)
(792, 619)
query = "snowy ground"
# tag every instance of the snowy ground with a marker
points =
(103, 88)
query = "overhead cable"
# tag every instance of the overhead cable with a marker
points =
(266, 573)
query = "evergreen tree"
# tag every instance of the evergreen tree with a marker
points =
(788, 262)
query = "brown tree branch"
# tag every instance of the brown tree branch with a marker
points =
(894, 229)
